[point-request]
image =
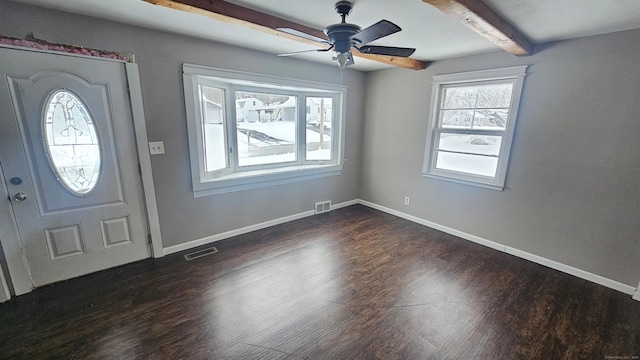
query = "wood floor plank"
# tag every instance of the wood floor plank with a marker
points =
(354, 283)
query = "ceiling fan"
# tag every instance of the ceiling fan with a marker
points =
(344, 36)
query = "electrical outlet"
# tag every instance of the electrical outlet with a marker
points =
(156, 147)
(407, 200)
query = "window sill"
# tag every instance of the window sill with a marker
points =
(262, 178)
(465, 181)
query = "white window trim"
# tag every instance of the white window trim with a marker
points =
(257, 177)
(517, 74)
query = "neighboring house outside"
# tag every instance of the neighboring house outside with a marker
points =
(464, 117)
(212, 111)
(282, 112)
(253, 110)
(246, 109)
(285, 111)
(313, 110)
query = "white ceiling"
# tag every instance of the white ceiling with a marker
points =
(433, 34)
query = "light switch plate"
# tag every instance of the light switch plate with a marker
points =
(156, 147)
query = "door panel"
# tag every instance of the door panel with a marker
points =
(68, 231)
(30, 95)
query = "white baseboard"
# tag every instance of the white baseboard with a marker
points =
(448, 230)
(624, 288)
(345, 204)
(217, 237)
(612, 284)
(627, 289)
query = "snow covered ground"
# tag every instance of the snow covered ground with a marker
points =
(473, 161)
(469, 144)
(282, 130)
(248, 147)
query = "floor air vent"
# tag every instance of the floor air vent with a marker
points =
(322, 207)
(200, 253)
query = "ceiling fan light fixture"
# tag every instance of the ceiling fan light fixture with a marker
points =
(343, 59)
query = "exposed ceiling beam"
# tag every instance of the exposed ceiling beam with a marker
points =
(255, 20)
(486, 22)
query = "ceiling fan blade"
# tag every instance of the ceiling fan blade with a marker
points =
(302, 35)
(305, 51)
(386, 50)
(376, 31)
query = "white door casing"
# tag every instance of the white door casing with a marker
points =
(4, 288)
(63, 234)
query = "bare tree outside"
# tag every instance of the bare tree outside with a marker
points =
(476, 106)
(472, 122)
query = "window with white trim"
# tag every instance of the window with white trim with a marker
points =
(249, 130)
(471, 124)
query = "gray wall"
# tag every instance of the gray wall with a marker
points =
(572, 186)
(159, 57)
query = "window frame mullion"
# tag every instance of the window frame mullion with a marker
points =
(232, 131)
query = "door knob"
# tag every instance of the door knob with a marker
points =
(20, 197)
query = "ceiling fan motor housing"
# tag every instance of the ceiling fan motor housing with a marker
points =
(340, 35)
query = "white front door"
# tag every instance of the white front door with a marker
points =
(70, 164)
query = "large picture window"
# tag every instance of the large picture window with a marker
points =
(471, 125)
(249, 130)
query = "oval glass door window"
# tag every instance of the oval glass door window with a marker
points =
(72, 142)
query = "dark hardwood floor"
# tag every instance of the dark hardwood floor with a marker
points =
(354, 283)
